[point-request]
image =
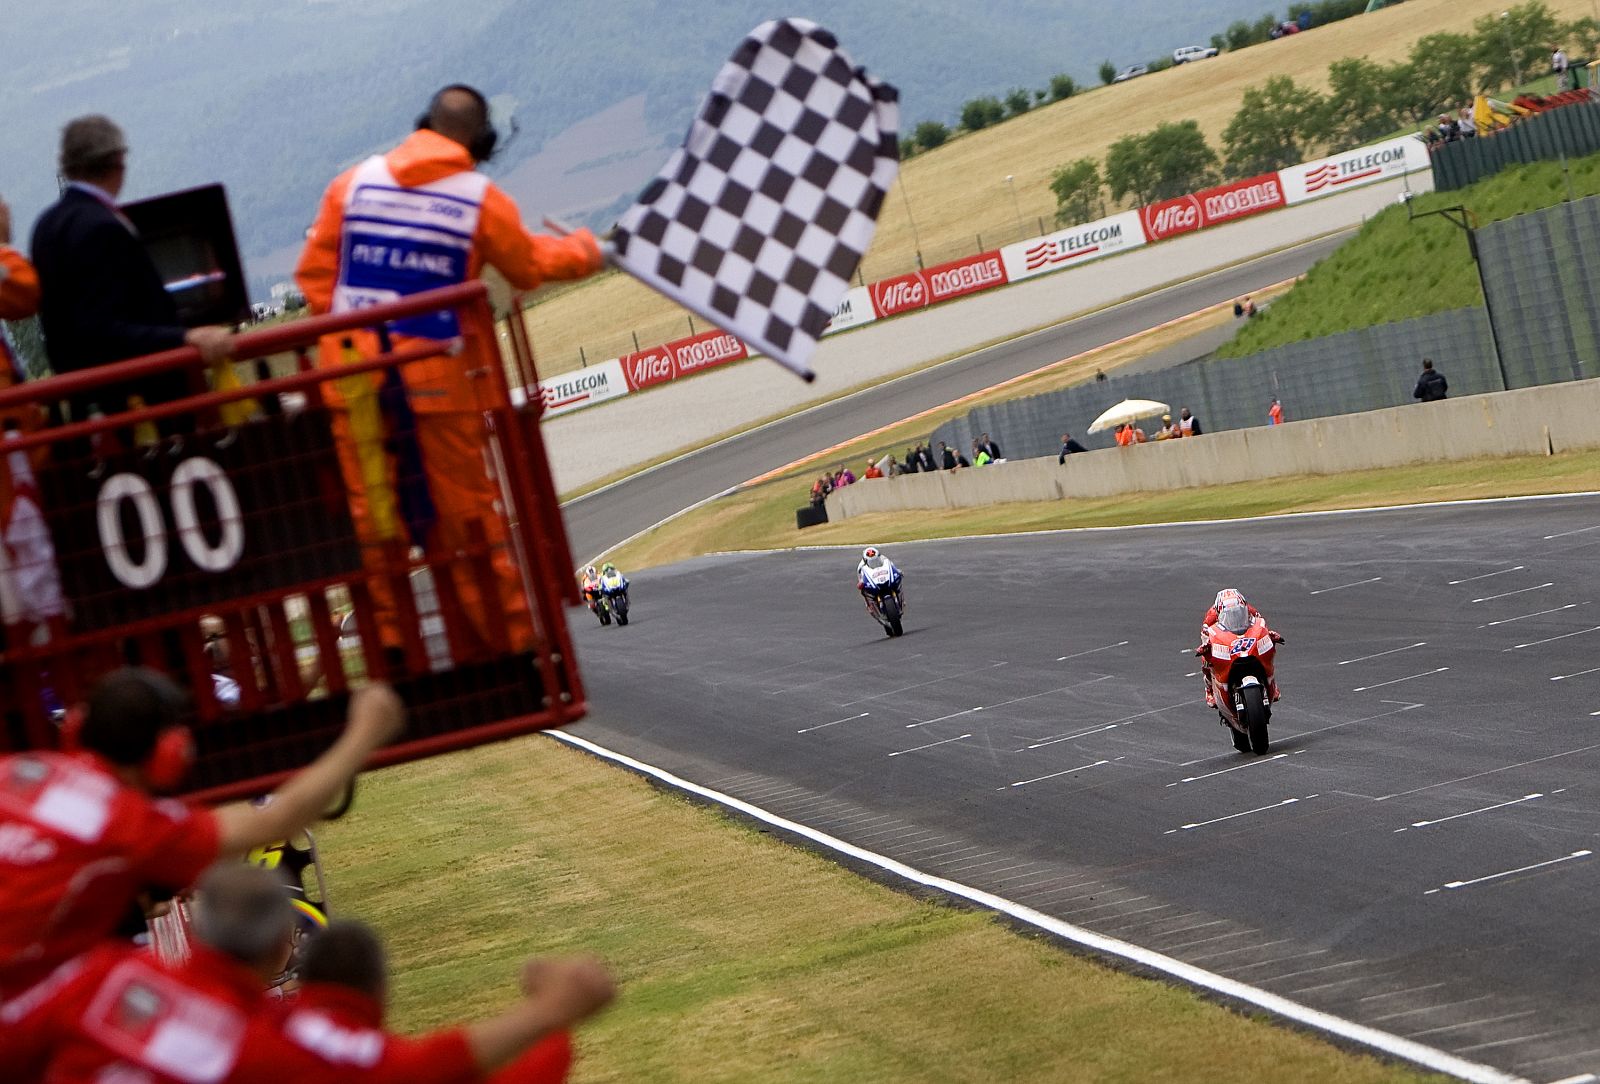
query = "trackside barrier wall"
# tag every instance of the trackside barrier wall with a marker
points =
(1572, 130)
(1530, 421)
(1341, 374)
(1036, 256)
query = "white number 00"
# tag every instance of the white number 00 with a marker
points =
(130, 487)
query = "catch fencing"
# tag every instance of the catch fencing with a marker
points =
(1341, 374)
(1571, 131)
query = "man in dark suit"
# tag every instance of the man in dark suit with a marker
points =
(103, 300)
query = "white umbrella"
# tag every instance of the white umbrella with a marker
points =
(1129, 410)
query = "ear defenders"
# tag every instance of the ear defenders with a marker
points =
(483, 142)
(167, 763)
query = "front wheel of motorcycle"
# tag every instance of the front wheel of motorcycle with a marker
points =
(1241, 742)
(1255, 717)
(891, 616)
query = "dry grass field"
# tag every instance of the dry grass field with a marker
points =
(958, 193)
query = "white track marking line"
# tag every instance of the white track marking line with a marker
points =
(1564, 534)
(1404, 707)
(1398, 1046)
(1553, 639)
(836, 722)
(1409, 990)
(1232, 816)
(943, 718)
(1518, 591)
(930, 745)
(1282, 959)
(1381, 654)
(920, 684)
(1486, 575)
(1508, 872)
(1017, 700)
(1235, 768)
(1580, 673)
(1470, 812)
(1536, 613)
(1396, 681)
(1053, 775)
(1475, 1023)
(1342, 586)
(1491, 771)
(1317, 970)
(1518, 1039)
(1042, 742)
(1430, 1008)
(1245, 948)
(1581, 1078)
(1094, 650)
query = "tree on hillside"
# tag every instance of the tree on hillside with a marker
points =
(1443, 74)
(1219, 43)
(1239, 35)
(1582, 36)
(908, 148)
(929, 134)
(1018, 102)
(1062, 86)
(1517, 45)
(1077, 188)
(1364, 99)
(979, 113)
(1160, 164)
(1278, 125)
(1108, 72)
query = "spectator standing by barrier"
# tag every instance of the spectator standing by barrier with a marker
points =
(1560, 65)
(925, 458)
(1275, 413)
(1166, 432)
(1431, 384)
(990, 447)
(913, 461)
(419, 218)
(103, 299)
(1189, 423)
(947, 457)
(1124, 435)
(1069, 447)
(872, 470)
(843, 476)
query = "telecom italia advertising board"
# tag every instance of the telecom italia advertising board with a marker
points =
(1353, 169)
(1072, 246)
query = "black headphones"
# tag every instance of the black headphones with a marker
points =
(483, 141)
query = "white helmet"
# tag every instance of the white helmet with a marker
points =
(869, 553)
(590, 571)
(1228, 595)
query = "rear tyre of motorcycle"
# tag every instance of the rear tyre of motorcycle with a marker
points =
(1255, 717)
(891, 616)
(622, 613)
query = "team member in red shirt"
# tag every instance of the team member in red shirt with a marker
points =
(81, 837)
(344, 987)
(127, 1017)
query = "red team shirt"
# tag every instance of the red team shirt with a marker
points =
(77, 846)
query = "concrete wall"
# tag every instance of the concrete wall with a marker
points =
(1522, 422)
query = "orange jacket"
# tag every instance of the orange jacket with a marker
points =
(526, 260)
(19, 285)
(1125, 436)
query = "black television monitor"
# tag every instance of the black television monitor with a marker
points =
(189, 236)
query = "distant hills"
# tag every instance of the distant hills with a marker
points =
(274, 99)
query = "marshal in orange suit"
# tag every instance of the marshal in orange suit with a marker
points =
(416, 219)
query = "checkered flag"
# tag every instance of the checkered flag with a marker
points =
(759, 220)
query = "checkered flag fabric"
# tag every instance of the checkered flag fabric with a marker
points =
(759, 220)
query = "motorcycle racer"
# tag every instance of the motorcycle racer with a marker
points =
(612, 581)
(872, 559)
(589, 584)
(1232, 611)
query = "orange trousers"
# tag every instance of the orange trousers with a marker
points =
(453, 446)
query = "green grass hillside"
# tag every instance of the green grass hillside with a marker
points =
(1400, 267)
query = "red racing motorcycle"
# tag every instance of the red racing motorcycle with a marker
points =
(1238, 661)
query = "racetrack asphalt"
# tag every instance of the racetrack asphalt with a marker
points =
(1414, 853)
(607, 517)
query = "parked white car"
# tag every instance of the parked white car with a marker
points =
(1130, 72)
(1192, 52)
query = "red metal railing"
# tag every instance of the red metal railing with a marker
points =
(224, 553)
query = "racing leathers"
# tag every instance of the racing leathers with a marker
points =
(1227, 596)
(864, 580)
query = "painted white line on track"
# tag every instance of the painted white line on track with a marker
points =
(1536, 613)
(920, 684)
(1471, 812)
(1396, 681)
(1518, 591)
(836, 722)
(1342, 586)
(1409, 990)
(1381, 654)
(1042, 742)
(1420, 1053)
(1580, 673)
(1491, 771)
(1509, 872)
(943, 718)
(1479, 1023)
(1404, 707)
(1564, 534)
(1486, 575)
(1233, 816)
(1581, 1078)
(1235, 768)
(1553, 639)
(1017, 700)
(930, 745)
(1053, 775)
(1431, 1008)
(1094, 650)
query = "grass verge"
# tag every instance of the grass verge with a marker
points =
(742, 958)
(762, 517)
(1396, 268)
